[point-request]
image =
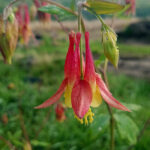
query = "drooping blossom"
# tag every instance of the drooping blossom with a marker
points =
(132, 8)
(23, 17)
(44, 17)
(60, 112)
(82, 93)
(8, 37)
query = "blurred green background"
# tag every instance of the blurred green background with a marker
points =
(36, 74)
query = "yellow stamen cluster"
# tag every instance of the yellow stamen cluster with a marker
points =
(88, 118)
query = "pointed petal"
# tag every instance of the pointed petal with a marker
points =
(89, 64)
(70, 53)
(107, 96)
(27, 16)
(70, 63)
(81, 98)
(55, 97)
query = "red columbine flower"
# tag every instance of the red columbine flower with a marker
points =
(132, 8)
(44, 17)
(22, 15)
(60, 112)
(82, 93)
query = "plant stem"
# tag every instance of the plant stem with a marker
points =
(112, 120)
(68, 10)
(79, 30)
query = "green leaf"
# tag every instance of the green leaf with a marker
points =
(127, 128)
(104, 7)
(54, 10)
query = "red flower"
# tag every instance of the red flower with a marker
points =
(45, 17)
(80, 94)
(60, 112)
(132, 8)
(22, 15)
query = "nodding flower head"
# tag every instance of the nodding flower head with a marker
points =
(81, 94)
(60, 112)
(132, 7)
(109, 42)
(23, 18)
(8, 37)
(44, 17)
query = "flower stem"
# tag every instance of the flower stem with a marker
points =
(68, 10)
(112, 120)
(79, 30)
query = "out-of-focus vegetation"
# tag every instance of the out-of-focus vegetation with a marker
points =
(35, 75)
(142, 6)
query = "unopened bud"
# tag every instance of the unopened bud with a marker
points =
(109, 39)
(8, 36)
(60, 112)
(11, 17)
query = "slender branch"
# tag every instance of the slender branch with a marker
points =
(8, 143)
(62, 26)
(147, 123)
(79, 30)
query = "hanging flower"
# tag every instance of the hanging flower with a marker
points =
(44, 17)
(132, 8)
(81, 93)
(22, 15)
(60, 112)
(8, 37)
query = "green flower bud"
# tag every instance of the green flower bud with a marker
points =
(109, 39)
(11, 17)
(8, 37)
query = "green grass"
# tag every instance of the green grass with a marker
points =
(37, 73)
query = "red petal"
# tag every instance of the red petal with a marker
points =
(70, 63)
(107, 96)
(26, 17)
(89, 64)
(55, 97)
(81, 98)
(77, 54)
(69, 53)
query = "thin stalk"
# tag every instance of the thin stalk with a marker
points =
(79, 30)
(112, 120)
(93, 12)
